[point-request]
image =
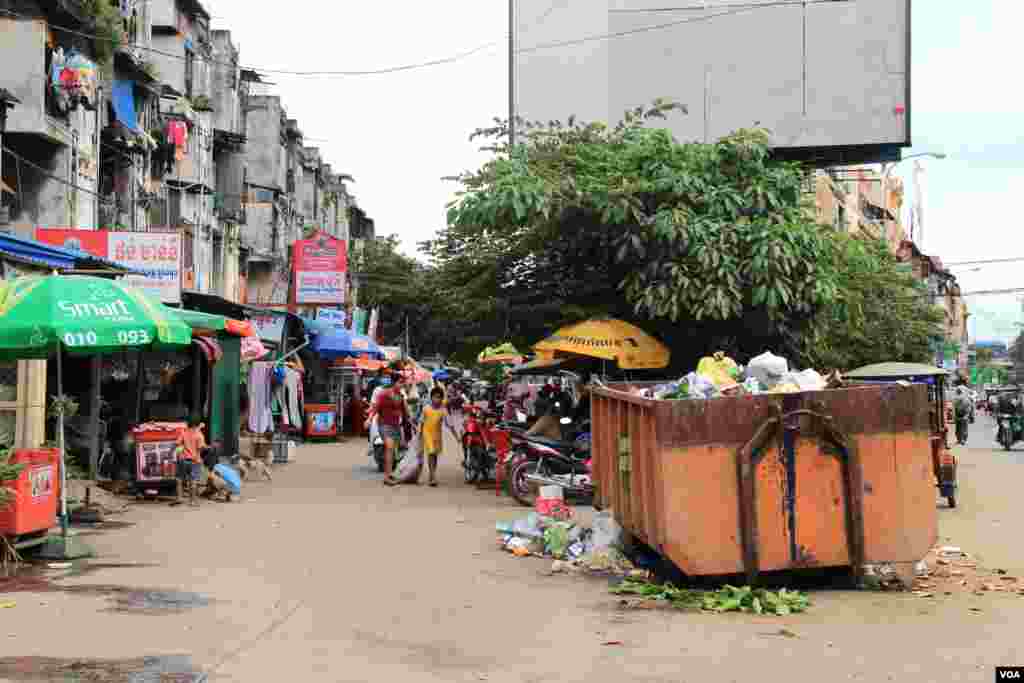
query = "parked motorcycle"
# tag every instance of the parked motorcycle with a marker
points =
(376, 450)
(543, 462)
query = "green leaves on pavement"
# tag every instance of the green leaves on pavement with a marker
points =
(727, 599)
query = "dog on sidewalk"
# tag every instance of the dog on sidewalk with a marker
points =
(251, 466)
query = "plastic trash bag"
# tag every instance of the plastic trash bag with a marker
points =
(720, 369)
(606, 532)
(528, 527)
(807, 380)
(768, 369)
(556, 539)
(409, 469)
(700, 386)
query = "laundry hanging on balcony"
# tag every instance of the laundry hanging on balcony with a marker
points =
(177, 135)
(123, 96)
(73, 80)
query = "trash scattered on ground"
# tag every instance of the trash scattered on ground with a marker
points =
(948, 570)
(575, 548)
(612, 642)
(7, 605)
(726, 599)
(786, 633)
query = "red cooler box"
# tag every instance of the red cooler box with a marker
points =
(321, 420)
(36, 489)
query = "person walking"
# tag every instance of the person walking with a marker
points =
(432, 433)
(389, 409)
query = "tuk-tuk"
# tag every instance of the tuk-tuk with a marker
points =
(943, 460)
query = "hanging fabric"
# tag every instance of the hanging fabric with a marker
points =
(293, 391)
(123, 96)
(260, 417)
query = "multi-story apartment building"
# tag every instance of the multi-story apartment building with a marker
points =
(160, 129)
(52, 136)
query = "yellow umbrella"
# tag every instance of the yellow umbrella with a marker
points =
(609, 339)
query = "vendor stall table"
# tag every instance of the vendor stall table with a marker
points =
(155, 461)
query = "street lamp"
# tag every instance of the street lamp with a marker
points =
(885, 176)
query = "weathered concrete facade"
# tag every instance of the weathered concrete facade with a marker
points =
(240, 188)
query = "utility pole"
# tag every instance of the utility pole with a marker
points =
(511, 73)
(408, 347)
(99, 159)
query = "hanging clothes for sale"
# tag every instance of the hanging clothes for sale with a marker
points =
(212, 352)
(261, 419)
(293, 392)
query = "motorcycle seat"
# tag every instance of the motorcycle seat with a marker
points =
(551, 443)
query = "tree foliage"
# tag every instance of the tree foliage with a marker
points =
(883, 312)
(708, 245)
(403, 289)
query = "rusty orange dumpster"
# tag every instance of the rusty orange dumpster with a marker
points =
(751, 484)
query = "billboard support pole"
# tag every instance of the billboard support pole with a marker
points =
(511, 75)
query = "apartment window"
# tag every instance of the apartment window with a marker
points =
(190, 63)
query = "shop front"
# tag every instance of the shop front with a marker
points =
(23, 396)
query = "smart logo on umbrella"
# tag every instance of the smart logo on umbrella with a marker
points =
(115, 310)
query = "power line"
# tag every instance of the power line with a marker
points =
(985, 262)
(46, 173)
(368, 72)
(462, 55)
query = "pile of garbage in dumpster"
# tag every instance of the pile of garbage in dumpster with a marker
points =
(572, 546)
(719, 375)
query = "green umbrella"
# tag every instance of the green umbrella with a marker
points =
(85, 315)
(41, 315)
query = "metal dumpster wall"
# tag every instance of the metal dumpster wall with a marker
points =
(672, 472)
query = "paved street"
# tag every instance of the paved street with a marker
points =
(326, 575)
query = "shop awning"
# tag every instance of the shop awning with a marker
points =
(208, 323)
(52, 256)
(210, 348)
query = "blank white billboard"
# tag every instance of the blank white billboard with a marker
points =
(826, 77)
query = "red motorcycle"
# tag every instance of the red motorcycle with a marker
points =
(479, 458)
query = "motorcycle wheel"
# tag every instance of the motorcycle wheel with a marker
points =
(518, 487)
(378, 456)
(469, 471)
(951, 501)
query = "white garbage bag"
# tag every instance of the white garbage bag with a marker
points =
(808, 380)
(768, 369)
(606, 532)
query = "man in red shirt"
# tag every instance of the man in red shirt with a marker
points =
(392, 417)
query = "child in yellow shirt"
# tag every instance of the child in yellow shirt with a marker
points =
(432, 433)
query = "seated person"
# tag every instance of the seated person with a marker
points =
(548, 426)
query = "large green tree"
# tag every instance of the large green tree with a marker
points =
(708, 245)
(409, 293)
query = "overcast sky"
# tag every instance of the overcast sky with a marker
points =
(399, 133)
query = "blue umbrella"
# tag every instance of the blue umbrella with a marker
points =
(442, 375)
(337, 343)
